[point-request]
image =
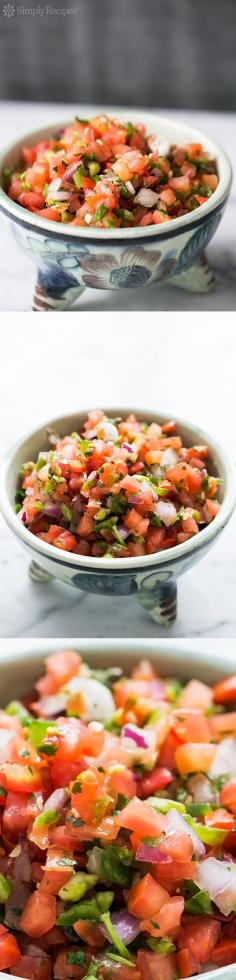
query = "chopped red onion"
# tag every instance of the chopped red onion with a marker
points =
(52, 510)
(132, 731)
(24, 517)
(123, 531)
(152, 854)
(126, 445)
(71, 171)
(126, 926)
(17, 900)
(22, 864)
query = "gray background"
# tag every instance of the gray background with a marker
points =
(177, 53)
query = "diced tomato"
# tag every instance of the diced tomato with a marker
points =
(9, 949)
(225, 691)
(90, 933)
(156, 966)
(195, 695)
(194, 757)
(186, 963)
(224, 952)
(39, 914)
(32, 967)
(168, 917)
(200, 937)
(141, 818)
(159, 778)
(22, 779)
(146, 897)
(228, 795)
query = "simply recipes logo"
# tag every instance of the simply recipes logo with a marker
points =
(9, 10)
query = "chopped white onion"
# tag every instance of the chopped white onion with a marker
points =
(108, 431)
(59, 196)
(146, 197)
(218, 878)
(166, 511)
(175, 822)
(159, 144)
(200, 788)
(53, 187)
(98, 704)
(225, 759)
(130, 187)
(6, 736)
(169, 458)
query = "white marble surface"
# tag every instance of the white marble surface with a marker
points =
(17, 273)
(173, 363)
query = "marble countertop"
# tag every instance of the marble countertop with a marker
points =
(167, 362)
(17, 273)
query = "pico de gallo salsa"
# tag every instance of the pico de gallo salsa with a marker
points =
(105, 173)
(120, 488)
(118, 825)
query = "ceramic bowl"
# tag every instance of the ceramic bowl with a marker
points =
(19, 670)
(69, 258)
(151, 577)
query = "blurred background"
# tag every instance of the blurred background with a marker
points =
(162, 53)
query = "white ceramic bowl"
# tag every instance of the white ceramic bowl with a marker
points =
(70, 258)
(152, 577)
(19, 670)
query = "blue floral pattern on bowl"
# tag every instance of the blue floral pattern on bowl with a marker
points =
(66, 266)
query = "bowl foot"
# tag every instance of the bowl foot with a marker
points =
(159, 599)
(198, 278)
(54, 291)
(38, 574)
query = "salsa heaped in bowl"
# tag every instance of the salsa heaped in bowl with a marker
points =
(105, 173)
(119, 488)
(118, 842)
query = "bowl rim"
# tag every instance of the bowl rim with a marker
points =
(122, 235)
(175, 648)
(89, 563)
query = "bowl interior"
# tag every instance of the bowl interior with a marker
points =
(19, 672)
(176, 131)
(38, 441)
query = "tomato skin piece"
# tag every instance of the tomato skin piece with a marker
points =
(225, 690)
(39, 914)
(224, 723)
(146, 897)
(9, 949)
